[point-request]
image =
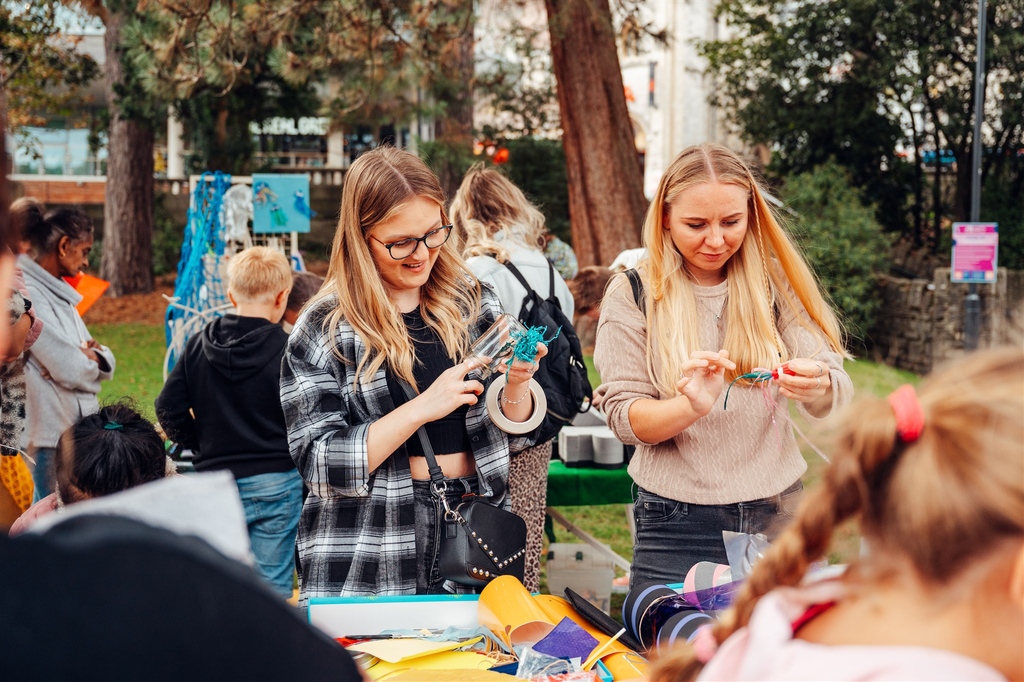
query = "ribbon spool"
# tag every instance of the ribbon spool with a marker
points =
(637, 607)
(493, 398)
(701, 580)
(681, 627)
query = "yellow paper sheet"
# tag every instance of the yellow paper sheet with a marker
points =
(508, 610)
(398, 650)
(446, 660)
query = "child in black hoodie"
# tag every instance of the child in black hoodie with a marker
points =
(222, 400)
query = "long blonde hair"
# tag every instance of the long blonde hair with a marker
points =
(377, 186)
(488, 202)
(969, 451)
(759, 276)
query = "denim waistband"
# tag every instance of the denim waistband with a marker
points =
(455, 486)
(773, 499)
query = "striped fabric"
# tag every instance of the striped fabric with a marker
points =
(357, 533)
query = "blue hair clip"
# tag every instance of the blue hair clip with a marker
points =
(113, 426)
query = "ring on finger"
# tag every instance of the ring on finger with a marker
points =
(817, 383)
(820, 369)
(465, 386)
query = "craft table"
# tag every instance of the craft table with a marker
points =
(584, 486)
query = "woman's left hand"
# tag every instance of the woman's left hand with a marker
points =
(521, 372)
(809, 382)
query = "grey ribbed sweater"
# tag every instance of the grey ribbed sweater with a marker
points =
(744, 454)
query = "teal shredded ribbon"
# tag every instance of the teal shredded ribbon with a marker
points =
(526, 344)
(113, 426)
(759, 376)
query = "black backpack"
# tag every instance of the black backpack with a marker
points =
(561, 372)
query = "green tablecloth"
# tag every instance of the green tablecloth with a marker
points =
(570, 487)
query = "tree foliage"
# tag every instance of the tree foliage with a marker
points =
(40, 68)
(376, 53)
(844, 243)
(861, 80)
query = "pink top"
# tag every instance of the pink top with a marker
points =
(766, 649)
(41, 508)
(37, 324)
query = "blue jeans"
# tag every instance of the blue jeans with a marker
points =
(42, 473)
(429, 516)
(672, 536)
(272, 505)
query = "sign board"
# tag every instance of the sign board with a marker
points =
(975, 252)
(280, 203)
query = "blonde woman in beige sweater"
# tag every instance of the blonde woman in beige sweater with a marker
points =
(722, 291)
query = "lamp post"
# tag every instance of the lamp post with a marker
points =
(972, 303)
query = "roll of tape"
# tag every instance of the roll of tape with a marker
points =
(540, 407)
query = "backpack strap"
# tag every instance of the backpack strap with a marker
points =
(518, 275)
(637, 285)
(526, 285)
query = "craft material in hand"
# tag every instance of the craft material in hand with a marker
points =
(758, 376)
(496, 344)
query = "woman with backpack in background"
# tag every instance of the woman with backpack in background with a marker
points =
(722, 292)
(500, 227)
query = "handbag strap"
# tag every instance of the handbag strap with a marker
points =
(437, 483)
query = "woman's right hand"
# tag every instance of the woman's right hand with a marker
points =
(449, 391)
(703, 378)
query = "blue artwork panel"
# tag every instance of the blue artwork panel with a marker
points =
(280, 203)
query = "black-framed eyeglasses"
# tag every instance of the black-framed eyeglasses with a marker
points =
(406, 247)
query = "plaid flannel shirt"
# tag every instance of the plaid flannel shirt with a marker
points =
(357, 531)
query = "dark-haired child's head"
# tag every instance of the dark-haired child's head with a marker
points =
(305, 285)
(107, 452)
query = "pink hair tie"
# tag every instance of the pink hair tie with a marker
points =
(704, 644)
(909, 415)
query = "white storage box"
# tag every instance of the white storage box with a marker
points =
(581, 568)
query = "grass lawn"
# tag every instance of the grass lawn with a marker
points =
(140, 351)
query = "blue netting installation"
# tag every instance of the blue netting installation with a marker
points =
(199, 291)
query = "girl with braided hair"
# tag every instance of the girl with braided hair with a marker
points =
(936, 480)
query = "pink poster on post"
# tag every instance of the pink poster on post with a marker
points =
(975, 252)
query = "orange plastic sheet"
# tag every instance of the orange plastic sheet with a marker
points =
(516, 616)
(91, 288)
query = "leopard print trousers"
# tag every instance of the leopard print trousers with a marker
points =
(528, 488)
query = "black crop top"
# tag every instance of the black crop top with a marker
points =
(448, 434)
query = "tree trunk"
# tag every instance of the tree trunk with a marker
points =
(606, 198)
(128, 209)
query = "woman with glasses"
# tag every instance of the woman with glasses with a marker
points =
(721, 293)
(500, 227)
(399, 309)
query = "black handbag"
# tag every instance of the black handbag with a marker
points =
(478, 541)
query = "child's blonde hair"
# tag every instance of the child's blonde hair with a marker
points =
(938, 505)
(258, 274)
